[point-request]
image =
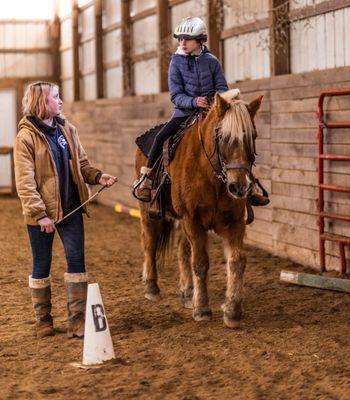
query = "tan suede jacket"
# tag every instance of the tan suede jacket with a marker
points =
(36, 175)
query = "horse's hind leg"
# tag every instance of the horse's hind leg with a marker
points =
(150, 235)
(236, 262)
(186, 283)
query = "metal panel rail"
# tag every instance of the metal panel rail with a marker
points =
(322, 186)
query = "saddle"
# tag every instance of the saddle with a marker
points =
(160, 193)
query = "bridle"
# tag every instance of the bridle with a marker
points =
(221, 173)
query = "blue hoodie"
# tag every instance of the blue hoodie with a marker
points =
(193, 76)
(61, 154)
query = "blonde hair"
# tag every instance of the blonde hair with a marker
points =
(237, 122)
(35, 99)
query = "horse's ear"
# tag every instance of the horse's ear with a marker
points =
(254, 106)
(221, 105)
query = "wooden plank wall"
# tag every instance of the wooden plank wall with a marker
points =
(320, 42)
(25, 49)
(286, 164)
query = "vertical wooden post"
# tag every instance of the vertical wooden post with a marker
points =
(99, 48)
(279, 38)
(164, 40)
(214, 12)
(75, 36)
(128, 84)
(55, 31)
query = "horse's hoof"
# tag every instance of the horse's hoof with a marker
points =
(152, 290)
(232, 323)
(153, 296)
(187, 303)
(186, 300)
(202, 315)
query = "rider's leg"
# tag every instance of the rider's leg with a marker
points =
(258, 195)
(143, 189)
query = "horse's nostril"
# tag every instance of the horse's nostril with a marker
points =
(232, 188)
(237, 190)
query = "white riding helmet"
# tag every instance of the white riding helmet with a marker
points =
(191, 28)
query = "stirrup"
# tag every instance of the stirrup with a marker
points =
(264, 196)
(137, 184)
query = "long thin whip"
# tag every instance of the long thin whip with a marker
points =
(82, 205)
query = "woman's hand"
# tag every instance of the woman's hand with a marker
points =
(46, 225)
(107, 180)
(202, 102)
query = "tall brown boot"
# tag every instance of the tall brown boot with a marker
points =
(76, 286)
(41, 297)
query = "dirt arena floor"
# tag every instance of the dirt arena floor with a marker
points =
(294, 342)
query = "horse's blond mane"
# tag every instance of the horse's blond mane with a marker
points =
(237, 122)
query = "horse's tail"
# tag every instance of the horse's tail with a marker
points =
(166, 241)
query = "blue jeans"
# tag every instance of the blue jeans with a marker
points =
(71, 232)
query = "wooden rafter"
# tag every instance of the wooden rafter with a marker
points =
(214, 8)
(279, 38)
(75, 36)
(128, 81)
(55, 30)
(317, 9)
(246, 28)
(99, 49)
(163, 43)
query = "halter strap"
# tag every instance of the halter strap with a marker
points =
(218, 174)
(226, 167)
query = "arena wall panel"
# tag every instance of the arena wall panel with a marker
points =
(320, 42)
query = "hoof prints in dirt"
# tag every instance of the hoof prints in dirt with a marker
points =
(149, 322)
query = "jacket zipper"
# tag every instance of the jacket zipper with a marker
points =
(56, 177)
(75, 170)
(197, 71)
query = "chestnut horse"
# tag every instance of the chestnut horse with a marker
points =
(210, 179)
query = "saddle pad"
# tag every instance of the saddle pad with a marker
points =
(145, 141)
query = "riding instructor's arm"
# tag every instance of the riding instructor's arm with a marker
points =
(32, 203)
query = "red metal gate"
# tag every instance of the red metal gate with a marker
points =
(322, 186)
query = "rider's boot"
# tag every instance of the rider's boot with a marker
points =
(143, 185)
(258, 195)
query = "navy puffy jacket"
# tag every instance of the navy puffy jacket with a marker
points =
(191, 77)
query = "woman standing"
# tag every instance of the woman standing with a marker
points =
(52, 169)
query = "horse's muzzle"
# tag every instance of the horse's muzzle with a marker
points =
(238, 190)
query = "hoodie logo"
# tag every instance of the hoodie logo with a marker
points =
(62, 141)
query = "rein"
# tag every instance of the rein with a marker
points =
(218, 174)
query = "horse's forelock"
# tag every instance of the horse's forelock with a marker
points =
(236, 123)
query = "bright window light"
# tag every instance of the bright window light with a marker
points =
(25, 9)
(83, 2)
(65, 7)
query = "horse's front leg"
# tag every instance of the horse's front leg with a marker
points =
(236, 262)
(150, 233)
(197, 237)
